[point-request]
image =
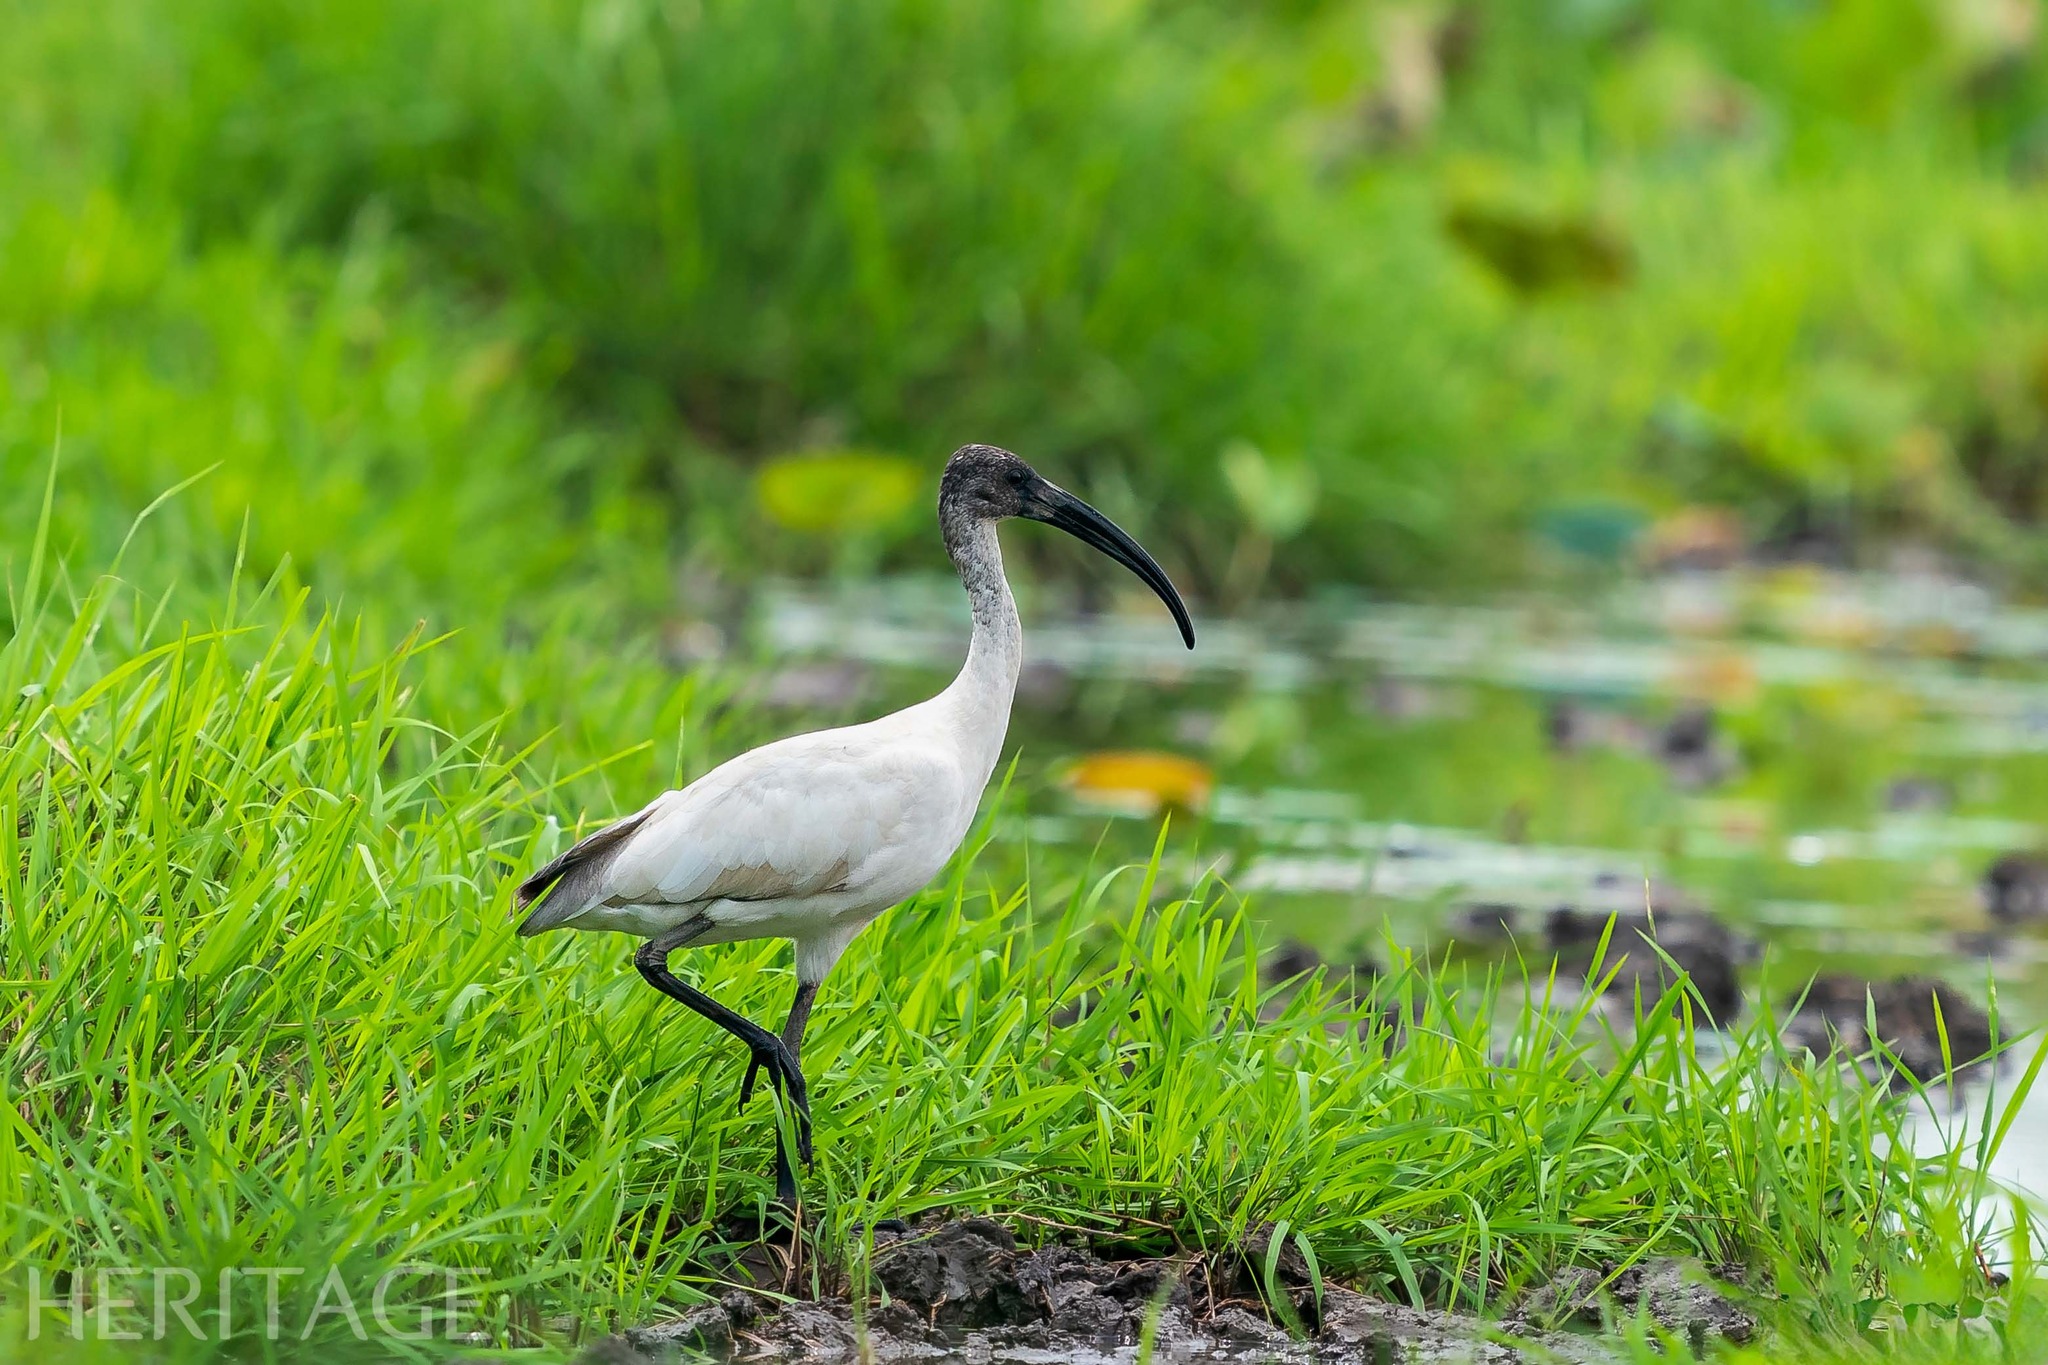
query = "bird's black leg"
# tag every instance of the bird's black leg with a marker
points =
(792, 1044)
(767, 1049)
(799, 1016)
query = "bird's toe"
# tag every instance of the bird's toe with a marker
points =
(747, 1081)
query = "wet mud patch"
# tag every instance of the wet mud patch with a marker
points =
(963, 1291)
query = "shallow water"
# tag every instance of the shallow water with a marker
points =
(1872, 743)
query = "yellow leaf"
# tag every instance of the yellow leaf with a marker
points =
(1140, 782)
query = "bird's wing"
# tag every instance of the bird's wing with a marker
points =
(800, 817)
(577, 875)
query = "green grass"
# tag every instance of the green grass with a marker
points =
(604, 260)
(397, 447)
(265, 1007)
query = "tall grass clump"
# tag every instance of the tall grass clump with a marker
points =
(397, 448)
(265, 1007)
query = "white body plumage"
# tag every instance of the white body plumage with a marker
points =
(811, 837)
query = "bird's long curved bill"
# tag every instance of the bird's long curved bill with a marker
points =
(1057, 507)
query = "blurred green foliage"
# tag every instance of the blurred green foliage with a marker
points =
(477, 297)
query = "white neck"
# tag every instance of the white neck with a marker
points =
(979, 698)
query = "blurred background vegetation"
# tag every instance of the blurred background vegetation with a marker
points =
(477, 305)
(579, 328)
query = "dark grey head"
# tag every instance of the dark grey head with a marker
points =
(984, 483)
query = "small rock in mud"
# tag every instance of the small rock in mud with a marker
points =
(1840, 1007)
(1679, 1294)
(1571, 1298)
(1244, 1269)
(703, 1331)
(964, 1291)
(1363, 1329)
(2016, 887)
(960, 1274)
(1683, 1299)
(1235, 1326)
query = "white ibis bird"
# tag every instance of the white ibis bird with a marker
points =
(811, 837)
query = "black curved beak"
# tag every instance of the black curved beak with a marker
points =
(1055, 506)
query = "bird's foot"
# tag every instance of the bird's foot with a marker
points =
(788, 1077)
(782, 1070)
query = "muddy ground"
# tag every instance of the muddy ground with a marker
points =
(964, 1291)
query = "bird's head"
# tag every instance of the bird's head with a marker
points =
(984, 483)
